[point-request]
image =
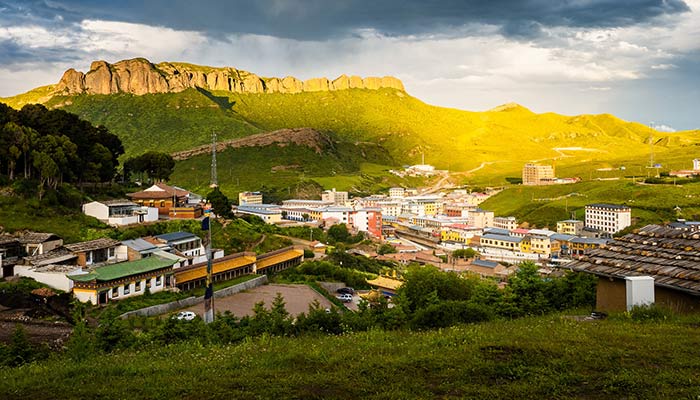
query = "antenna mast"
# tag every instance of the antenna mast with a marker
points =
(214, 179)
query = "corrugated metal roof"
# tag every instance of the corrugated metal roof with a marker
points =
(96, 244)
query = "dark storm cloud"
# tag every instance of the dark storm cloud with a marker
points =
(320, 19)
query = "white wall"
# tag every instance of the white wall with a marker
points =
(97, 210)
(56, 280)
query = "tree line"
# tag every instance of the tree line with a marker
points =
(54, 147)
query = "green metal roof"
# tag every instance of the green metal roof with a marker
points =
(123, 270)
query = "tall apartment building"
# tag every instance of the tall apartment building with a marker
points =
(250, 198)
(609, 218)
(337, 198)
(508, 223)
(535, 174)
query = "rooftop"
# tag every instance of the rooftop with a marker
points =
(485, 263)
(159, 191)
(503, 238)
(671, 256)
(177, 236)
(102, 243)
(37, 237)
(123, 270)
(609, 206)
(139, 245)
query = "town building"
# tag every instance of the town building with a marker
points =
(123, 280)
(188, 245)
(460, 210)
(389, 208)
(535, 174)
(422, 205)
(250, 198)
(480, 218)
(570, 227)
(120, 212)
(298, 203)
(270, 213)
(668, 254)
(36, 243)
(397, 192)
(98, 251)
(687, 173)
(172, 201)
(508, 223)
(609, 218)
(335, 197)
(10, 254)
(368, 220)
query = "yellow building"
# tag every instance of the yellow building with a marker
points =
(501, 242)
(570, 227)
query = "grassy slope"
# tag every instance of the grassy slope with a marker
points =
(650, 203)
(450, 138)
(547, 357)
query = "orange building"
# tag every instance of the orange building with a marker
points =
(169, 200)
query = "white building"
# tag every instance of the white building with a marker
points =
(609, 218)
(397, 192)
(508, 223)
(340, 214)
(337, 198)
(56, 276)
(270, 213)
(389, 208)
(297, 203)
(120, 212)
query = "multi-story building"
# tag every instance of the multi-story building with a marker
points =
(422, 205)
(570, 227)
(609, 218)
(368, 220)
(297, 203)
(459, 233)
(508, 223)
(390, 208)
(250, 198)
(335, 197)
(396, 192)
(502, 242)
(458, 209)
(481, 218)
(535, 174)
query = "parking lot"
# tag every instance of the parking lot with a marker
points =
(297, 299)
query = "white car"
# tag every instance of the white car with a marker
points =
(345, 297)
(186, 315)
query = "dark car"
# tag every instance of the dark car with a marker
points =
(346, 290)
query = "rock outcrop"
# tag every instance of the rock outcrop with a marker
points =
(317, 141)
(139, 76)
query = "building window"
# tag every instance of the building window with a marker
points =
(151, 203)
(110, 252)
(162, 204)
(137, 286)
(159, 279)
(115, 292)
(126, 289)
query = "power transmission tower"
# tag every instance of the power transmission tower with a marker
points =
(214, 179)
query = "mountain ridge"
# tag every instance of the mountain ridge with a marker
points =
(139, 76)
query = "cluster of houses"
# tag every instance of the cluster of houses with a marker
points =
(103, 270)
(157, 202)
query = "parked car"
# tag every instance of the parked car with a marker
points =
(345, 297)
(186, 316)
(346, 290)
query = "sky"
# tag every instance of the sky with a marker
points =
(636, 59)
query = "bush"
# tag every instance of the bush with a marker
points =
(448, 313)
(308, 253)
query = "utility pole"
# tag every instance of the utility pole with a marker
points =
(214, 178)
(209, 291)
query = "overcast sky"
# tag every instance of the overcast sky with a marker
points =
(637, 59)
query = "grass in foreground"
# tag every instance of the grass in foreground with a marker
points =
(545, 357)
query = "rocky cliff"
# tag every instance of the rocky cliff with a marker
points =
(139, 76)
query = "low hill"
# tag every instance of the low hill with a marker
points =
(529, 358)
